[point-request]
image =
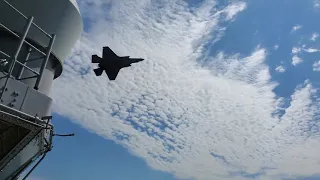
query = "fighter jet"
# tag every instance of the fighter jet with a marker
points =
(112, 63)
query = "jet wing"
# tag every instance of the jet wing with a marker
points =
(112, 72)
(108, 53)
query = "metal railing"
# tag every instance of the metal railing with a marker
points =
(22, 40)
(10, 72)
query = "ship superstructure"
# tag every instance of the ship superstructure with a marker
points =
(35, 37)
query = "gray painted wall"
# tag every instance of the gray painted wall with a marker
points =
(60, 17)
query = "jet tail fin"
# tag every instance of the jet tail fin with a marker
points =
(98, 71)
(95, 59)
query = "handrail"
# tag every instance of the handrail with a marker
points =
(16, 35)
(14, 58)
(23, 40)
(27, 18)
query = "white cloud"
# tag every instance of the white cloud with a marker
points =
(311, 50)
(296, 60)
(314, 37)
(295, 50)
(296, 28)
(316, 66)
(316, 3)
(194, 122)
(276, 47)
(233, 9)
(280, 69)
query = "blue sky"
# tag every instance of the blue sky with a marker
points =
(84, 157)
(228, 90)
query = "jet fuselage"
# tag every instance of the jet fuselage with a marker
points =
(112, 63)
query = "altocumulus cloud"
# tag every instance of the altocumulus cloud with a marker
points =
(217, 121)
